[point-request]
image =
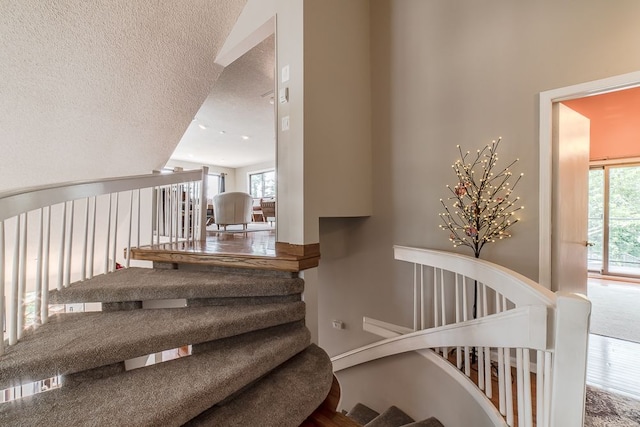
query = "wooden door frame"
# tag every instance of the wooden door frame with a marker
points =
(547, 98)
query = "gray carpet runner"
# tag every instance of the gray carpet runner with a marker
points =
(284, 397)
(143, 284)
(75, 342)
(392, 417)
(251, 364)
(167, 394)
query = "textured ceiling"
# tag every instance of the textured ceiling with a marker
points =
(102, 88)
(240, 104)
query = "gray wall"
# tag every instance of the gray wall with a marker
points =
(456, 72)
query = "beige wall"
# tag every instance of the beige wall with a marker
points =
(445, 73)
(337, 112)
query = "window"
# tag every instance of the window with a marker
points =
(614, 220)
(212, 186)
(262, 184)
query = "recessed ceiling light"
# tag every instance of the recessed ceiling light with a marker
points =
(222, 132)
(190, 155)
(245, 137)
(201, 126)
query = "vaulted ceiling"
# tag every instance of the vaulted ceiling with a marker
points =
(235, 125)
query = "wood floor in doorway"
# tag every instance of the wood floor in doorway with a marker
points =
(612, 363)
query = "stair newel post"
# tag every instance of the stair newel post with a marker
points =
(203, 203)
(573, 312)
(2, 306)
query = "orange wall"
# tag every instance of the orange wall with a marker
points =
(615, 123)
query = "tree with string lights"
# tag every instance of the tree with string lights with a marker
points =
(483, 204)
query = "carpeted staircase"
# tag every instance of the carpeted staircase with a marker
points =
(392, 417)
(252, 363)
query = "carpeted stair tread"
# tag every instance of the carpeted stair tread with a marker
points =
(143, 284)
(429, 422)
(392, 417)
(75, 342)
(284, 397)
(167, 394)
(362, 414)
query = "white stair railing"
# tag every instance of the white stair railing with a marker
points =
(520, 328)
(51, 236)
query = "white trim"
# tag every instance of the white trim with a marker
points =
(383, 329)
(547, 99)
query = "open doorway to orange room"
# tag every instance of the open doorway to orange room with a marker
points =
(613, 242)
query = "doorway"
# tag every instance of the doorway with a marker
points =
(607, 366)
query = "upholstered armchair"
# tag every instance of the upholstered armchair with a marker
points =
(232, 208)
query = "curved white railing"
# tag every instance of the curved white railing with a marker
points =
(520, 328)
(51, 236)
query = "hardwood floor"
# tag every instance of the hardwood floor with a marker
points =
(253, 249)
(612, 363)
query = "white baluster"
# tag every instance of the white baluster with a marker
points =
(526, 362)
(138, 216)
(178, 210)
(93, 237)
(415, 297)
(114, 249)
(487, 350)
(443, 307)
(547, 388)
(540, 388)
(22, 283)
(436, 323)
(457, 294)
(45, 269)
(187, 211)
(67, 275)
(63, 234)
(128, 259)
(85, 241)
(423, 320)
(108, 239)
(508, 392)
(465, 317)
(520, 387)
(2, 269)
(38, 287)
(480, 350)
(501, 373)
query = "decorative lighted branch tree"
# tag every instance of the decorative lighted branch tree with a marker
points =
(483, 204)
